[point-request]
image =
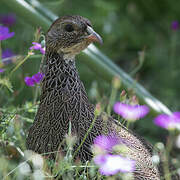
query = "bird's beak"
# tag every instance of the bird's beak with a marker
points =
(93, 36)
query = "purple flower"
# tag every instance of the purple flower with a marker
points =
(37, 46)
(4, 33)
(112, 164)
(175, 25)
(168, 121)
(1, 70)
(8, 19)
(29, 81)
(106, 142)
(7, 53)
(130, 112)
(37, 77)
(42, 50)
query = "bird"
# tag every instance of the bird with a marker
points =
(64, 102)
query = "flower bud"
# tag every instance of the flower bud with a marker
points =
(98, 109)
(116, 82)
(123, 96)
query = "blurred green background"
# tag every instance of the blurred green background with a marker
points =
(127, 27)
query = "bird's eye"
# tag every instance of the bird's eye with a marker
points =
(69, 28)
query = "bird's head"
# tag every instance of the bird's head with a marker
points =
(70, 35)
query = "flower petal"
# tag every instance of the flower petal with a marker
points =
(177, 116)
(42, 50)
(29, 81)
(7, 53)
(168, 121)
(9, 35)
(106, 142)
(130, 112)
(112, 164)
(1, 70)
(175, 25)
(4, 30)
(4, 33)
(38, 77)
(37, 46)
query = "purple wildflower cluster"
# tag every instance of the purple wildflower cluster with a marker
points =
(131, 112)
(37, 46)
(9, 20)
(35, 79)
(110, 164)
(6, 20)
(134, 112)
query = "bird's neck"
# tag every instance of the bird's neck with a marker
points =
(61, 83)
(58, 69)
(63, 94)
(56, 59)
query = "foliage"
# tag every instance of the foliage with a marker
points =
(127, 27)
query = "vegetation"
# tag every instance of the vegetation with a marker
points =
(142, 38)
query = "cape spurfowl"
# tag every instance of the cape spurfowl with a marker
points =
(64, 101)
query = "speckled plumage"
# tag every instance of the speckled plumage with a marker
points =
(64, 100)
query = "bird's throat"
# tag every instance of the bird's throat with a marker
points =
(60, 73)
